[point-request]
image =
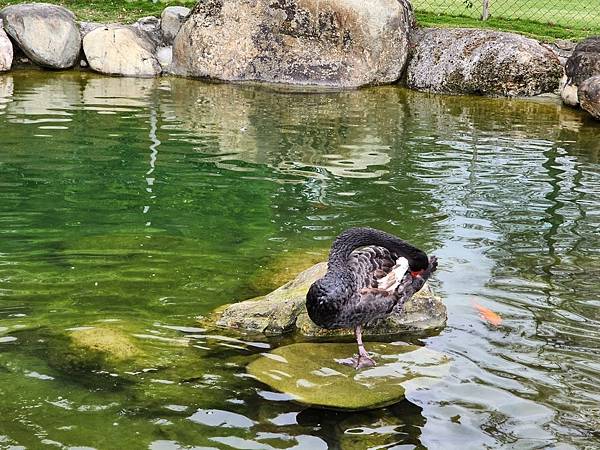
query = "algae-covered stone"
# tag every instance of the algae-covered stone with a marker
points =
(114, 344)
(93, 348)
(310, 374)
(284, 310)
(275, 313)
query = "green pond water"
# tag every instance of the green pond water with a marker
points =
(137, 205)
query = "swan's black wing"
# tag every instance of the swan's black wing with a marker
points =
(369, 264)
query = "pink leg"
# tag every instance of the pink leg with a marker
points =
(362, 359)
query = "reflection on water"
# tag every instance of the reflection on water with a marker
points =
(140, 204)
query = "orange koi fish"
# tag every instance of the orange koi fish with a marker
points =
(488, 315)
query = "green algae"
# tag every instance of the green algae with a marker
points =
(310, 374)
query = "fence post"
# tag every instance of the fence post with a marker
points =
(486, 10)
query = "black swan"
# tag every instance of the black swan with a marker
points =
(366, 284)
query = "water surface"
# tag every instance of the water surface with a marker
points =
(142, 204)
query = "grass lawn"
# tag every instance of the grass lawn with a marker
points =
(111, 10)
(547, 19)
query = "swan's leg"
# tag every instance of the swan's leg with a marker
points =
(362, 359)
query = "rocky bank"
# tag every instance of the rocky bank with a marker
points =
(338, 44)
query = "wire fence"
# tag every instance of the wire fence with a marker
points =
(583, 15)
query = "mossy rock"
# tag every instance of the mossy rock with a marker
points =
(274, 313)
(284, 310)
(310, 374)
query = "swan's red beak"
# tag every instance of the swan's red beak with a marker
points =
(417, 273)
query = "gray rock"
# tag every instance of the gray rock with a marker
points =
(171, 20)
(474, 61)
(120, 50)
(86, 27)
(568, 92)
(589, 96)
(581, 65)
(149, 27)
(164, 56)
(585, 61)
(6, 51)
(283, 310)
(339, 43)
(47, 34)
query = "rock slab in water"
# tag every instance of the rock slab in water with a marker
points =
(120, 50)
(474, 61)
(171, 20)
(284, 310)
(341, 43)
(584, 63)
(310, 374)
(47, 34)
(589, 96)
(6, 51)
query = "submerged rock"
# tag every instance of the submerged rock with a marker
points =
(284, 310)
(584, 63)
(342, 43)
(120, 50)
(6, 51)
(474, 61)
(310, 374)
(47, 34)
(589, 96)
(93, 348)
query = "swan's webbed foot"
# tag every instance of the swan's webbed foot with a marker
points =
(362, 359)
(358, 361)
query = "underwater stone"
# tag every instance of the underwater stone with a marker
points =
(92, 348)
(309, 374)
(284, 310)
(47, 34)
(340, 43)
(474, 61)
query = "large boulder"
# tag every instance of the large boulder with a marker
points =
(342, 43)
(589, 96)
(473, 61)
(47, 34)
(581, 65)
(284, 310)
(6, 51)
(171, 20)
(120, 50)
